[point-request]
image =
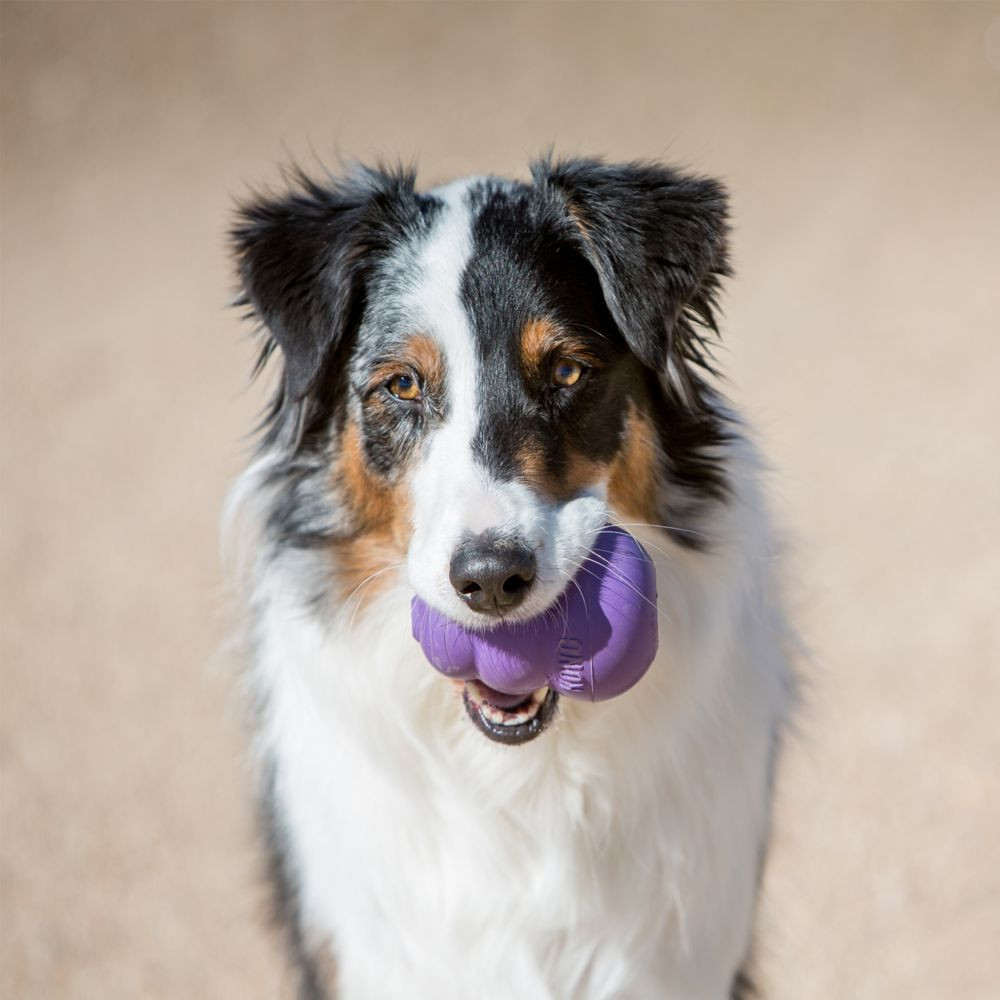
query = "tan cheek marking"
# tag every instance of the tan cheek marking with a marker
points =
(382, 511)
(580, 473)
(634, 487)
(383, 515)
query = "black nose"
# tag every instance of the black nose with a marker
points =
(492, 575)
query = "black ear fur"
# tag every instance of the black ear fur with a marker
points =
(657, 240)
(303, 258)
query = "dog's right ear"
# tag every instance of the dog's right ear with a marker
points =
(303, 259)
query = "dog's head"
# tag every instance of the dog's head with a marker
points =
(477, 377)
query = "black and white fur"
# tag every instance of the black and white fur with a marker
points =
(618, 854)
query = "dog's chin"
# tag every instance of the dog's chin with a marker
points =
(509, 719)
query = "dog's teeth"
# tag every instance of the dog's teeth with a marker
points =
(501, 717)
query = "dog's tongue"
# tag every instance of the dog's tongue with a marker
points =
(498, 698)
(595, 643)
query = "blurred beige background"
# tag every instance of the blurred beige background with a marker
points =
(862, 148)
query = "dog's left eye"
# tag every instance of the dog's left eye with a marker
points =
(404, 387)
(566, 372)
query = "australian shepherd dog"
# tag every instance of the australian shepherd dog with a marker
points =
(474, 381)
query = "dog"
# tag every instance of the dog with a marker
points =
(474, 381)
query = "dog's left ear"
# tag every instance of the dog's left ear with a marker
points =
(655, 237)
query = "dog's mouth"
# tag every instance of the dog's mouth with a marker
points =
(510, 719)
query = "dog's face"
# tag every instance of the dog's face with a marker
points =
(477, 377)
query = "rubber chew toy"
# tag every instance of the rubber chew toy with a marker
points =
(594, 643)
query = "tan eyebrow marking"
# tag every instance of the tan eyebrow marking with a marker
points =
(542, 339)
(427, 359)
(420, 353)
(538, 336)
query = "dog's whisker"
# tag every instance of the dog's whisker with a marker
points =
(583, 597)
(601, 561)
(645, 542)
(371, 576)
(366, 584)
(650, 524)
(577, 325)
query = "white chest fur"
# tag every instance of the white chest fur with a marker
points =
(615, 856)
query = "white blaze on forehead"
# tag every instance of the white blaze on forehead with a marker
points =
(447, 469)
(437, 299)
(453, 494)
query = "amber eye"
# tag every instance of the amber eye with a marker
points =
(404, 387)
(566, 372)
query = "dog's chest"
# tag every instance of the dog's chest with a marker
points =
(452, 886)
(434, 860)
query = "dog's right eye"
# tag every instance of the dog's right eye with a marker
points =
(566, 373)
(404, 387)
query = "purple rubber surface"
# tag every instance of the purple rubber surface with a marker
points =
(594, 643)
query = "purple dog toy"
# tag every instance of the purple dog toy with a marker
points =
(594, 643)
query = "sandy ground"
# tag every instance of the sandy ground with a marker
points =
(862, 148)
